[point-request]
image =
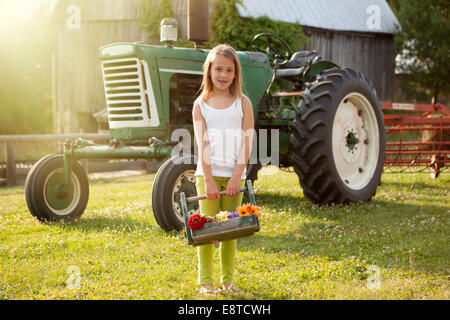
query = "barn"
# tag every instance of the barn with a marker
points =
(352, 33)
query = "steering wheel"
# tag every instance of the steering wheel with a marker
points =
(272, 51)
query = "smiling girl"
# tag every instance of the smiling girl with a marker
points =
(223, 128)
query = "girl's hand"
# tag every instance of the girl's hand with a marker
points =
(212, 193)
(233, 186)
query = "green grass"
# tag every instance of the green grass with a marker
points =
(302, 251)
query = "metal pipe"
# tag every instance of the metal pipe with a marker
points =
(415, 152)
(67, 157)
(108, 152)
(409, 162)
(203, 197)
(413, 143)
(418, 128)
(53, 137)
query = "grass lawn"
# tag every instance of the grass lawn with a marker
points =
(394, 247)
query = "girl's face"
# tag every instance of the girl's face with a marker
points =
(222, 73)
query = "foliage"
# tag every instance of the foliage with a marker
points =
(153, 13)
(227, 26)
(301, 252)
(25, 64)
(424, 44)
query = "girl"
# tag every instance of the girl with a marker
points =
(223, 128)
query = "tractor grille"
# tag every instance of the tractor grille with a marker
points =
(127, 90)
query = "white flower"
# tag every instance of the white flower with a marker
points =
(222, 216)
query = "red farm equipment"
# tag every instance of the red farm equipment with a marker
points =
(417, 138)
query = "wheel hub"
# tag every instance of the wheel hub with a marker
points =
(354, 126)
(185, 183)
(352, 140)
(62, 191)
(61, 197)
(58, 194)
(349, 142)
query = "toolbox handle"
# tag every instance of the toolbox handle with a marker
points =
(222, 193)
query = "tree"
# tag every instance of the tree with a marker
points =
(227, 26)
(153, 13)
(25, 64)
(424, 43)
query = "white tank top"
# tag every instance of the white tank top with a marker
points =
(224, 130)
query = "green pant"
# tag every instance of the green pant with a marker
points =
(227, 248)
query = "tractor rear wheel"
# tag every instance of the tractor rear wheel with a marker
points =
(48, 197)
(338, 138)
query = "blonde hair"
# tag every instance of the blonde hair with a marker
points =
(228, 52)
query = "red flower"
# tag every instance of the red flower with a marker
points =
(196, 222)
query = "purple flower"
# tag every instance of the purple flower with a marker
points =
(233, 214)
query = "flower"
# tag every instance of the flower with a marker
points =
(242, 211)
(254, 210)
(196, 222)
(208, 218)
(222, 216)
(233, 214)
(247, 209)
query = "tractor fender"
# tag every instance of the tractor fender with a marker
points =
(315, 69)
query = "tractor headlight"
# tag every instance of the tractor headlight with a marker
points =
(117, 50)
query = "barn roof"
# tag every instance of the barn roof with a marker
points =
(342, 15)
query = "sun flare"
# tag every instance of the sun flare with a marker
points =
(17, 15)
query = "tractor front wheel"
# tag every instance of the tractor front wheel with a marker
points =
(338, 138)
(48, 197)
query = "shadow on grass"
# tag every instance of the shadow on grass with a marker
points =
(122, 179)
(273, 199)
(124, 225)
(381, 233)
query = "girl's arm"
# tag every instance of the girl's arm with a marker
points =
(248, 127)
(204, 153)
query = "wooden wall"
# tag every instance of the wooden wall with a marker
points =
(370, 53)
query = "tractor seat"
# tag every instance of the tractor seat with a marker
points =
(299, 59)
(287, 73)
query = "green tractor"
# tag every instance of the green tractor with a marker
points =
(328, 123)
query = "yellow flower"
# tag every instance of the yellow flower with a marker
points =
(247, 209)
(222, 216)
(255, 211)
(242, 211)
